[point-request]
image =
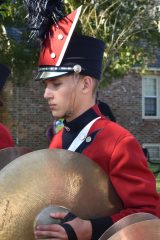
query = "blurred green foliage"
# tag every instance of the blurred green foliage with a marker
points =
(155, 168)
(16, 51)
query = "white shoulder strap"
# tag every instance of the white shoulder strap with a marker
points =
(81, 136)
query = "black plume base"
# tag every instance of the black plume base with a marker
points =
(42, 14)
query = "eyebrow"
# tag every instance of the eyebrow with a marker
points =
(51, 80)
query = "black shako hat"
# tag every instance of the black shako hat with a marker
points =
(4, 74)
(63, 51)
(84, 55)
(86, 52)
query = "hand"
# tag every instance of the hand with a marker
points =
(82, 228)
(52, 231)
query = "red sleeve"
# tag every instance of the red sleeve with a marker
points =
(56, 141)
(132, 179)
(5, 137)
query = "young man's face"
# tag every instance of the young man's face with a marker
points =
(62, 96)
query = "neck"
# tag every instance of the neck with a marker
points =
(77, 112)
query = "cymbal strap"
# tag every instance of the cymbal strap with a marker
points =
(70, 231)
(69, 217)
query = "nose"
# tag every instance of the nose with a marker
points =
(48, 93)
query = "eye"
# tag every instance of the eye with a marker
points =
(56, 84)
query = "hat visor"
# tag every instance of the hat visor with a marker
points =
(46, 75)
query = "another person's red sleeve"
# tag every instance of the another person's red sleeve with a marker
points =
(6, 139)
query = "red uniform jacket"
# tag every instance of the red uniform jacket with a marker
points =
(5, 137)
(121, 156)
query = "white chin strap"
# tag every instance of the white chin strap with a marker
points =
(76, 78)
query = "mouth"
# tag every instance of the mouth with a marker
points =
(52, 106)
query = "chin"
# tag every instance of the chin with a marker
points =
(57, 115)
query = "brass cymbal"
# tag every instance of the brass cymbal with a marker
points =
(46, 177)
(148, 230)
(126, 221)
(11, 153)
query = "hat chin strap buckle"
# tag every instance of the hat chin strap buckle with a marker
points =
(77, 68)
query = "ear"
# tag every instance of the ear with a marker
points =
(87, 83)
